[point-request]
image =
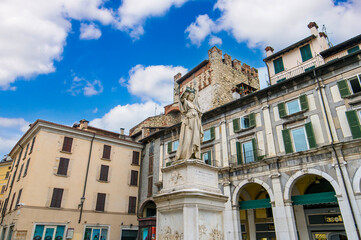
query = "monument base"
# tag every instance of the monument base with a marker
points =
(190, 206)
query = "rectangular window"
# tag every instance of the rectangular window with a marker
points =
(150, 168)
(209, 134)
(150, 186)
(100, 202)
(132, 204)
(306, 53)
(3, 232)
(7, 174)
(245, 122)
(32, 145)
(26, 167)
(207, 157)
(135, 159)
(353, 49)
(355, 84)
(354, 123)
(278, 65)
(104, 170)
(21, 170)
(293, 107)
(21, 152)
(3, 189)
(349, 86)
(134, 178)
(26, 151)
(96, 233)
(248, 152)
(63, 166)
(67, 144)
(19, 196)
(10, 233)
(12, 202)
(299, 139)
(173, 146)
(49, 232)
(106, 151)
(56, 198)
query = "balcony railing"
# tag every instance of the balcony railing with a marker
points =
(303, 67)
(247, 157)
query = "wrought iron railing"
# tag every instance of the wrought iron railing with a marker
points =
(247, 157)
(301, 68)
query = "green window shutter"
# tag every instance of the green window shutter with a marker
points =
(254, 146)
(306, 52)
(343, 88)
(252, 120)
(287, 140)
(354, 49)
(282, 109)
(213, 133)
(239, 153)
(236, 124)
(303, 102)
(278, 65)
(169, 147)
(209, 158)
(354, 124)
(310, 135)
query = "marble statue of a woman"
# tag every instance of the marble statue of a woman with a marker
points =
(191, 133)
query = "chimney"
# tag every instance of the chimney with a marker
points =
(269, 51)
(121, 131)
(177, 76)
(83, 124)
(313, 28)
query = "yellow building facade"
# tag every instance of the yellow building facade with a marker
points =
(71, 183)
(5, 167)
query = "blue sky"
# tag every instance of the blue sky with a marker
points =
(113, 62)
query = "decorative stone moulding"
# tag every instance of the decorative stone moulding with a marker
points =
(190, 205)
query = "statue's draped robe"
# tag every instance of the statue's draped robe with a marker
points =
(191, 130)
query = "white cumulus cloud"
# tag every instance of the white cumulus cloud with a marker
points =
(133, 13)
(18, 123)
(89, 31)
(214, 40)
(200, 29)
(11, 130)
(88, 88)
(34, 33)
(126, 116)
(279, 23)
(154, 83)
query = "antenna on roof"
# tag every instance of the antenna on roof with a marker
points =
(325, 31)
(155, 109)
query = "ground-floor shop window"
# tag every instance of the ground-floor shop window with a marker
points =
(2, 237)
(96, 233)
(129, 234)
(49, 232)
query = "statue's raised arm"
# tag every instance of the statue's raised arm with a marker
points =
(191, 128)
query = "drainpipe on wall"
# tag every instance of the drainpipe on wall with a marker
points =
(82, 199)
(335, 152)
(11, 187)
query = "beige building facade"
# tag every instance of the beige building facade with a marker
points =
(72, 183)
(287, 156)
(5, 167)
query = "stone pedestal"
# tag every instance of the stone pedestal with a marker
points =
(190, 206)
